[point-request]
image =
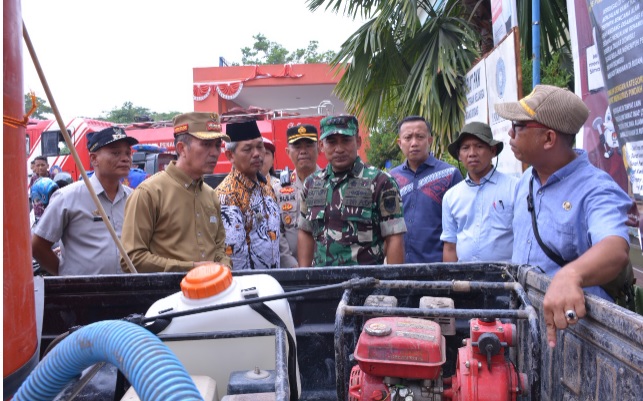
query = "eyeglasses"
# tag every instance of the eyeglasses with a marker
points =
(515, 125)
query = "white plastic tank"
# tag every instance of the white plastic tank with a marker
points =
(206, 385)
(211, 285)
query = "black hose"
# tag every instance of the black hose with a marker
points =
(353, 283)
(56, 341)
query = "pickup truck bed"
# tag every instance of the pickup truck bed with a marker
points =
(601, 358)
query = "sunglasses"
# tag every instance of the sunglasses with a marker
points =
(515, 125)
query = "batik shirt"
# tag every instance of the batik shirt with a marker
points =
(251, 219)
(349, 215)
(422, 193)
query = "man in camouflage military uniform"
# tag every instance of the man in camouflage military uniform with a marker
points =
(303, 152)
(351, 213)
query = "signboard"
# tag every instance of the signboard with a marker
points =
(477, 107)
(594, 70)
(634, 164)
(609, 32)
(619, 31)
(495, 79)
(503, 18)
(502, 86)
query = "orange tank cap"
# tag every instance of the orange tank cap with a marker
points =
(206, 280)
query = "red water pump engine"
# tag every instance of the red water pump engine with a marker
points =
(401, 358)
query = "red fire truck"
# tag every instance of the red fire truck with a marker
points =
(157, 139)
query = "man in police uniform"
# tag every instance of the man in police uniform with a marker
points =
(303, 152)
(351, 213)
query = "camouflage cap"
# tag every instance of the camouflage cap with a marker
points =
(205, 126)
(343, 125)
(551, 106)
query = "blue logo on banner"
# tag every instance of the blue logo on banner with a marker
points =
(501, 77)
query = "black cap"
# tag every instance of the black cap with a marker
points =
(107, 136)
(301, 131)
(242, 131)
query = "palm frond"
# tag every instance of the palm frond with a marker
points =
(554, 26)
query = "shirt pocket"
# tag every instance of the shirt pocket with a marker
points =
(563, 240)
(210, 220)
(357, 225)
(502, 217)
(317, 218)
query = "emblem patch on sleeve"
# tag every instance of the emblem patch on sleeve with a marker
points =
(390, 203)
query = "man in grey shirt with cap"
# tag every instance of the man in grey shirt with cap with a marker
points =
(73, 219)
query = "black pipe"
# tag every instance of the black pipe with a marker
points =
(353, 283)
(454, 285)
(438, 312)
(534, 333)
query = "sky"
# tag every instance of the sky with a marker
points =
(97, 54)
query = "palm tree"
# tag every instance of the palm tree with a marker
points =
(554, 25)
(400, 64)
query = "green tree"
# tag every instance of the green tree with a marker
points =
(311, 55)
(264, 51)
(554, 31)
(41, 108)
(383, 144)
(398, 64)
(127, 113)
(165, 116)
(553, 72)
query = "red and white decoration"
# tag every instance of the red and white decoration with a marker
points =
(200, 92)
(232, 89)
(229, 91)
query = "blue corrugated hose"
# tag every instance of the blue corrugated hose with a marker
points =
(154, 371)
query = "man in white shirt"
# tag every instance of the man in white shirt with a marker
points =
(477, 213)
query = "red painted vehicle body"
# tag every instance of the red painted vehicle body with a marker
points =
(273, 129)
(44, 138)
